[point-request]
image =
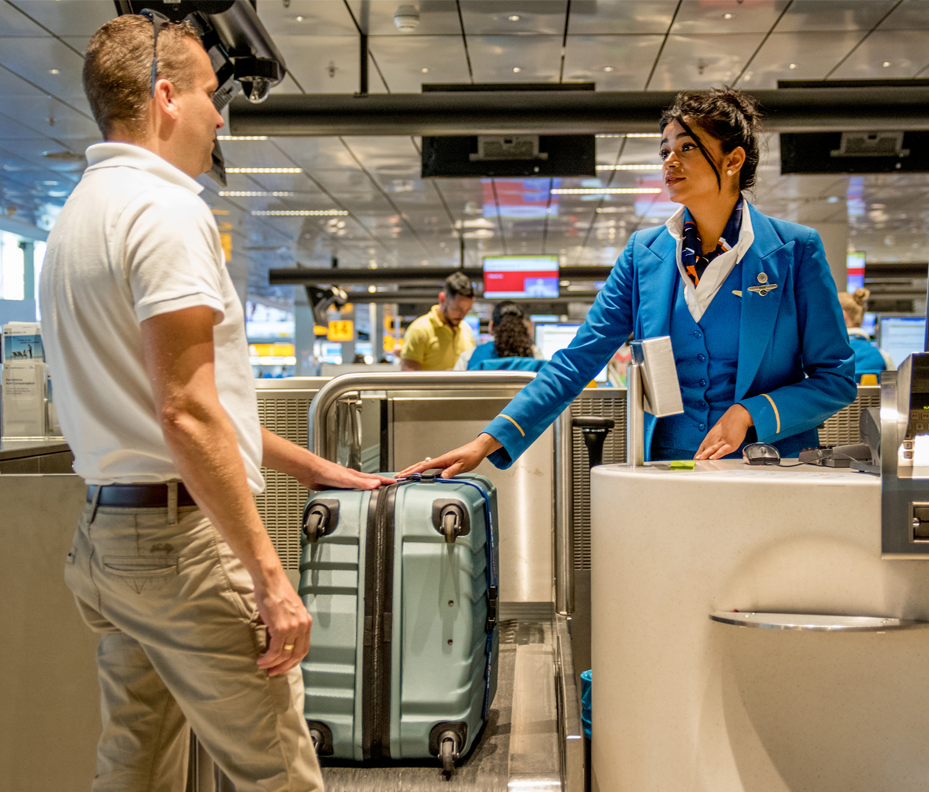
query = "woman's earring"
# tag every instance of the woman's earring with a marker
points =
(728, 172)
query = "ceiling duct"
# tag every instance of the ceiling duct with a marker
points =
(512, 112)
(509, 155)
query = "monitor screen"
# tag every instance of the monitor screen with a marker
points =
(868, 323)
(549, 338)
(515, 277)
(901, 336)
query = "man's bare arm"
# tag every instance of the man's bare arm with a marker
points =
(410, 365)
(312, 471)
(178, 354)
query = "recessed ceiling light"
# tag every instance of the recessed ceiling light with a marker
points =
(793, 65)
(886, 64)
(241, 137)
(264, 170)
(513, 17)
(298, 19)
(644, 167)
(255, 194)
(425, 70)
(54, 71)
(372, 289)
(606, 191)
(727, 16)
(301, 213)
(516, 70)
(607, 68)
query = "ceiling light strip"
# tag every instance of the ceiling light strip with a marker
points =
(264, 170)
(301, 213)
(606, 191)
(652, 167)
(629, 135)
(256, 194)
(241, 137)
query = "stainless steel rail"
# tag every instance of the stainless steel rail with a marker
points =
(322, 408)
(323, 443)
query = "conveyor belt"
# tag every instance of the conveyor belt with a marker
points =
(522, 744)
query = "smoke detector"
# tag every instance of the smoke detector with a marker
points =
(406, 18)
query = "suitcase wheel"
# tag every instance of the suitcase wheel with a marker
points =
(320, 519)
(321, 736)
(449, 750)
(446, 741)
(450, 518)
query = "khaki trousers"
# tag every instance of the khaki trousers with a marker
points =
(180, 635)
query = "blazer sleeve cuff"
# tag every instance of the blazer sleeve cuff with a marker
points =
(506, 431)
(765, 415)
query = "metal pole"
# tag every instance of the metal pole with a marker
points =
(364, 65)
(564, 534)
(635, 416)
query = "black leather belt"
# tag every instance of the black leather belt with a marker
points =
(138, 496)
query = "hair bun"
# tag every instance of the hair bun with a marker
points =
(861, 295)
(745, 103)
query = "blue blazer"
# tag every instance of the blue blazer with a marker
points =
(795, 368)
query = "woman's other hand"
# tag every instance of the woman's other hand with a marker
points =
(461, 460)
(728, 434)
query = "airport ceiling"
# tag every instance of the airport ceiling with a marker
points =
(396, 218)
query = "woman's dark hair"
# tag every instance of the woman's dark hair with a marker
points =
(511, 338)
(727, 114)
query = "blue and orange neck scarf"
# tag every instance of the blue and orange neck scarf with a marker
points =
(695, 263)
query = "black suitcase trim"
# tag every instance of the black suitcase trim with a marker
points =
(378, 620)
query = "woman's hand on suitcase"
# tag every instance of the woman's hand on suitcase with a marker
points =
(461, 460)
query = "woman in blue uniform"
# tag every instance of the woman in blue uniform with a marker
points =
(749, 302)
(869, 359)
(511, 348)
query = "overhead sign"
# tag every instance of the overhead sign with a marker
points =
(341, 330)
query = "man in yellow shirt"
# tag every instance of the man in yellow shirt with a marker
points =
(434, 342)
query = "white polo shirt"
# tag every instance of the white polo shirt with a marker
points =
(134, 241)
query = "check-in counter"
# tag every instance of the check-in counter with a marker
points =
(685, 702)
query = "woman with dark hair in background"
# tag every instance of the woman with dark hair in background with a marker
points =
(869, 359)
(748, 300)
(511, 348)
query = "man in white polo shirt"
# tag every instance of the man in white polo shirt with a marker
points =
(145, 339)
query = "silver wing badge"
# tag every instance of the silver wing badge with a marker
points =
(761, 291)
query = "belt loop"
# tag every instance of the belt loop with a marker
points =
(93, 503)
(172, 503)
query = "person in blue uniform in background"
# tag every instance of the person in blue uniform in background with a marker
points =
(869, 359)
(748, 300)
(511, 348)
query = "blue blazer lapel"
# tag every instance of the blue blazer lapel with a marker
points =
(657, 277)
(759, 311)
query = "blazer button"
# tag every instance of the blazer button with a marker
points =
(701, 357)
(703, 427)
(703, 383)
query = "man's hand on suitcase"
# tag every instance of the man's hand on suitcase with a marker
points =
(323, 474)
(288, 623)
(461, 460)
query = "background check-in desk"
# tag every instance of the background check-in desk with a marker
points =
(683, 702)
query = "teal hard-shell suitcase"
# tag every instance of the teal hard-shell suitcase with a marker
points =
(401, 583)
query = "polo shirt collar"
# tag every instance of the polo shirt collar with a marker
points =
(125, 155)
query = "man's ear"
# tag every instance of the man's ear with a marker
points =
(165, 100)
(441, 298)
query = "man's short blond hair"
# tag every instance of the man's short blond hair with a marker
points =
(118, 69)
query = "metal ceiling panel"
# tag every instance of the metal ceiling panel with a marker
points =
(514, 17)
(702, 61)
(436, 17)
(47, 63)
(495, 59)
(912, 15)
(835, 15)
(813, 56)
(68, 18)
(408, 62)
(306, 18)
(727, 16)
(595, 17)
(888, 54)
(323, 64)
(614, 63)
